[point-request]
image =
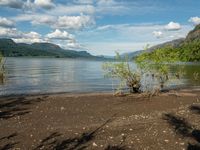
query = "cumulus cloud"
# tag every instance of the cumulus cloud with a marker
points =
(59, 35)
(47, 4)
(194, 20)
(36, 18)
(4, 22)
(60, 22)
(12, 3)
(9, 33)
(19, 36)
(173, 26)
(157, 34)
(73, 22)
(29, 37)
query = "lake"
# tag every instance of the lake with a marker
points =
(51, 75)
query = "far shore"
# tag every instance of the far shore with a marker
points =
(101, 121)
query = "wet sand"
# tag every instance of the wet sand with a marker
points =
(101, 121)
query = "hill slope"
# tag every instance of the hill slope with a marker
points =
(11, 49)
(187, 49)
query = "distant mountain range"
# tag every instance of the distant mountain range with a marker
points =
(11, 49)
(131, 55)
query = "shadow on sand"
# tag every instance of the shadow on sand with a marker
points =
(8, 143)
(12, 107)
(57, 141)
(184, 128)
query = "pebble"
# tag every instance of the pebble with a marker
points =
(62, 108)
(182, 143)
(131, 129)
(167, 141)
(94, 144)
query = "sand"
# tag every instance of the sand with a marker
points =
(101, 121)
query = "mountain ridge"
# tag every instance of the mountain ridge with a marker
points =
(9, 48)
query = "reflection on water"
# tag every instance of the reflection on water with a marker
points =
(45, 75)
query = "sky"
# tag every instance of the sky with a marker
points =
(101, 27)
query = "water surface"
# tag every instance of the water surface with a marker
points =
(51, 75)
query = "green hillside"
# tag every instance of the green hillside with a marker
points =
(11, 49)
(186, 50)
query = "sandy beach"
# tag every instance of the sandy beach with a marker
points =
(101, 121)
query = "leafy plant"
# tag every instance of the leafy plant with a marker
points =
(2, 67)
(122, 70)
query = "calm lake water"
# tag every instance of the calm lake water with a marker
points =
(49, 75)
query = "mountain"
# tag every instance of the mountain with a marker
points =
(174, 43)
(11, 49)
(186, 49)
(192, 35)
(131, 55)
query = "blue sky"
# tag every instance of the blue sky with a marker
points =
(99, 26)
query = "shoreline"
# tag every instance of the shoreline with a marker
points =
(193, 88)
(99, 121)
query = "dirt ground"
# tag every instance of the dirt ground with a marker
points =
(170, 121)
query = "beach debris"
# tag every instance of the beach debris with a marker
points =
(94, 144)
(166, 141)
(110, 137)
(62, 108)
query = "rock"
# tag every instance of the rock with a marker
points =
(62, 108)
(166, 141)
(94, 144)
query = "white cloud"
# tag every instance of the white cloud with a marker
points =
(61, 22)
(73, 22)
(72, 9)
(4, 22)
(9, 33)
(30, 37)
(173, 26)
(194, 20)
(36, 19)
(157, 34)
(12, 3)
(19, 36)
(47, 4)
(73, 45)
(59, 35)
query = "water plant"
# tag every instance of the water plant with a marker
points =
(2, 68)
